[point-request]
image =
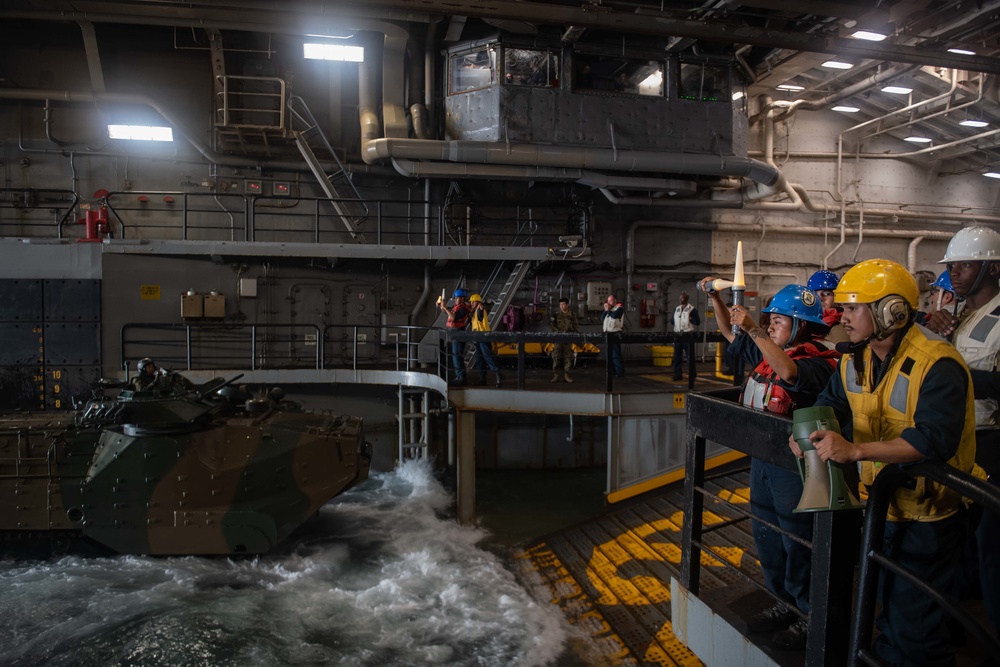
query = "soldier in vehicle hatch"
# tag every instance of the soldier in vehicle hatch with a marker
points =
(150, 377)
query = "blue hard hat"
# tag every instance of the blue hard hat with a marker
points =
(461, 292)
(823, 280)
(799, 302)
(944, 282)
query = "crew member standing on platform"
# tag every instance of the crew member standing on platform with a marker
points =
(824, 283)
(685, 321)
(613, 321)
(973, 261)
(484, 349)
(458, 320)
(564, 321)
(903, 395)
(792, 363)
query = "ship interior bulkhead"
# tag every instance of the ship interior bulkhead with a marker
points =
(290, 191)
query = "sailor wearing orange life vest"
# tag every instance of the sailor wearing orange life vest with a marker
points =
(792, 363)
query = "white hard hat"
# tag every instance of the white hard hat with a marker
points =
(973, 244)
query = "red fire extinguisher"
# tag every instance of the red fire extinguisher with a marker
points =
(95, 219)
(647, 313)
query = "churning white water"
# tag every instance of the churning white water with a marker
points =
(380, 579)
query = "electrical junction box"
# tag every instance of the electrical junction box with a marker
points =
(281, 189)
(597, 294)
(248, 288)
(652, 287)
(253, 188)
(215, 305)
(192, 304)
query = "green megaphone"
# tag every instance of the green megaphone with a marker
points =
(823, 484)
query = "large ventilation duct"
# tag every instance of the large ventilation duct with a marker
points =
(571, 157)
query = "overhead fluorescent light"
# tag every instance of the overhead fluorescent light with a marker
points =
(140, 133)
(868, 35)
(738, 95)
(837, 64)
(341, 52)
(789, 86)
(992, 174)
(918, 140)
(962, 52)
(844, 108)
(897, 90)
(972, 122)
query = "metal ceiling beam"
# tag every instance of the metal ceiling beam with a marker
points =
(317, 16)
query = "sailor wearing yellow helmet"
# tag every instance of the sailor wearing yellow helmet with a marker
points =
(484, 351)
(902, 395)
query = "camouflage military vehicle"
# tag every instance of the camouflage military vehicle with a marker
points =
(172, 471)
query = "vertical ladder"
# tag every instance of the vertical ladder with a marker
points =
(414, 423)
(338, 186)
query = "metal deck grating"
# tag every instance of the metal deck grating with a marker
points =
(611, 575)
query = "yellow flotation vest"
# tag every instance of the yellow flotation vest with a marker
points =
(885, 412)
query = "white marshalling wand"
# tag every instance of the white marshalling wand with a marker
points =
(739, 283)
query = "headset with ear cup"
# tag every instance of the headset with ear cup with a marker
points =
(890, 313)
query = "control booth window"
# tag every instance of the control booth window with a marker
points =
(531, 67)
(705, 83)
(472, 70)
(630, 76)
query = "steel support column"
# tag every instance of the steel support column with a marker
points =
(466, 471)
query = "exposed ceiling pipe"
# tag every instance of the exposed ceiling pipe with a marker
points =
(669, 186)
(569, 157)
(797, 230)
(788, 108)
(93, 56)
(907, 108)
(270, 18)
(911, 254)
(394, 85)
(616, 198)
(948, 109)
(414, 169)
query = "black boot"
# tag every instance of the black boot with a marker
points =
(499, 380)
(482, 379)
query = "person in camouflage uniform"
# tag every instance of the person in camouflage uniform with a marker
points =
(564, 321)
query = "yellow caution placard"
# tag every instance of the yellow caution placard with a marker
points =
(679, 401)
(149, 292)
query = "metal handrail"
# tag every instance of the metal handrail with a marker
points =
(26, 203)
(873, 559)
(831, 639)
(188, 328)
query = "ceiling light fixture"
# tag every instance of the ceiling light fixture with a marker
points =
(845, 108)
(992, 174)
(897, 90)
(837, 64)
(738, 95)
(973, 122)
(962, 52)
(917, 139)
(341, 52)
(869, 35)
(140, 133)
(790, 86)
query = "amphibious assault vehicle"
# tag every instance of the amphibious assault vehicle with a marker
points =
(177, 470)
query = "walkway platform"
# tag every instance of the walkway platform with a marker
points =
(611, 575)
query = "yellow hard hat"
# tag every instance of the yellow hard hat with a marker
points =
(887, 288)
(474, 298)
(874, 279)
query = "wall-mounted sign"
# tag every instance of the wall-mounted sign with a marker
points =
(149, 292)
